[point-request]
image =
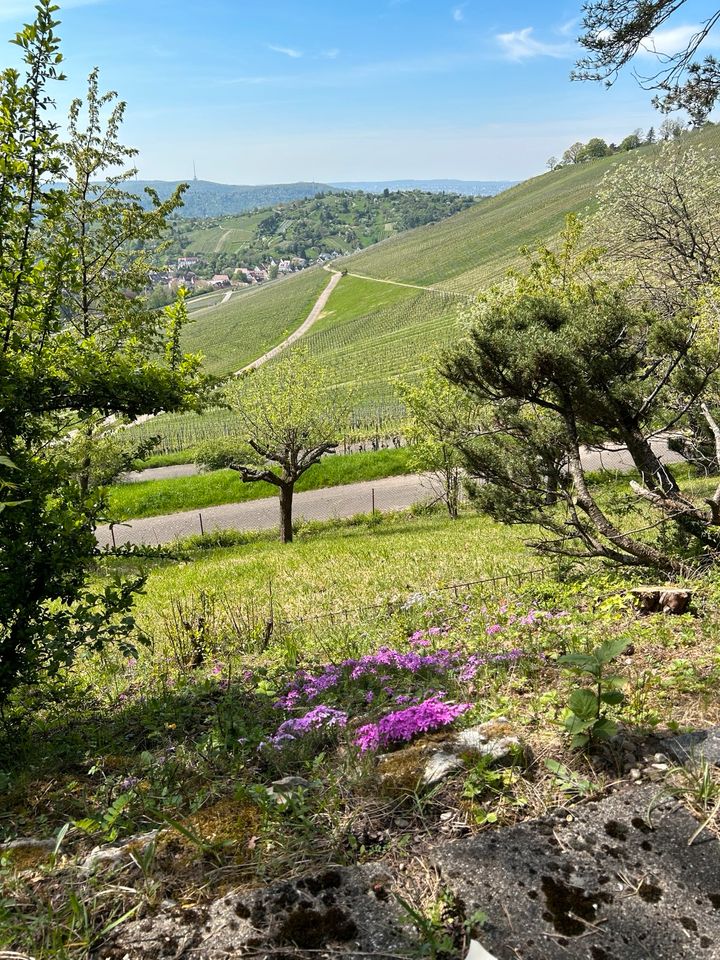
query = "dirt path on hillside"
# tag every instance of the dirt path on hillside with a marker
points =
(400, 283)
(314, 314)
(221, 241)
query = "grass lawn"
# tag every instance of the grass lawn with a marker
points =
(151, 498)
(188, 738)
(335, 565)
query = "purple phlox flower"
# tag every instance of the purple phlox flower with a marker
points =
(247, 676)
(402, 698)
(493, 628)
(369, 696)
(403, 725)
(511, 656)
(131, 663)
(319, 718)
(128, 783)
(216, 669)
(288, 701)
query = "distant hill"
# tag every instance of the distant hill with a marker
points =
(468, 188)
(340, 222)
(370, 334)
(207, 199)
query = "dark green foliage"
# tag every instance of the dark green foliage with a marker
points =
(562, 360)
(77, 344)
(587, 719)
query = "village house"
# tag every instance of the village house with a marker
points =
(220, 280)
(185, 263)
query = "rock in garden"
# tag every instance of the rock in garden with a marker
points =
(619, 878)
(698, 745)
(331, 913)
(495, 739)
(436, 757)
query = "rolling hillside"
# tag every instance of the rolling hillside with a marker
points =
(372, 333)
(327, 224)
(253, 321)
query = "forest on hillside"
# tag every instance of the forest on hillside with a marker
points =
(331, 222)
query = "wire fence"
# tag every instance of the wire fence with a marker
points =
(393, 605)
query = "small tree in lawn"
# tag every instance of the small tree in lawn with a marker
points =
(441, 416)
(287, 421)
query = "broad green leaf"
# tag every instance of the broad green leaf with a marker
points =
(612, 697)
(604, 729)
(610, 649)
(583, 704)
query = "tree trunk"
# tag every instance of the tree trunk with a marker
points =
(286, 500)
(655, 475)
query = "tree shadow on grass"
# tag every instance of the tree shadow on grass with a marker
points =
(70, 759)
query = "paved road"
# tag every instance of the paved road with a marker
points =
(161, 473)
(393, 493)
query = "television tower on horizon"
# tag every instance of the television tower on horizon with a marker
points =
(194, 172)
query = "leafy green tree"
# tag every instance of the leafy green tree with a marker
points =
(76, 342)
(441, 418)
(614, 31)
(632, 141)
(594, 149)
(563, 358)
(287, 420)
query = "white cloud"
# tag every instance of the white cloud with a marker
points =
(567, 29)
(666, 43)
(25, 9)
(522, 45)
(331, 54)
(286, 51)
(458, 13)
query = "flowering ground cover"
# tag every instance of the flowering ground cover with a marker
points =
(256, 756)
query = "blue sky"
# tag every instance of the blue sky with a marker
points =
(378, 89)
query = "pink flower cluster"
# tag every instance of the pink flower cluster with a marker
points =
(319, 718)
(403, 725)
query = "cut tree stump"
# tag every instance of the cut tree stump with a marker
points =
(662, 599)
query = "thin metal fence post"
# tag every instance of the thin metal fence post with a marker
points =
(202, 528)
(373, 500)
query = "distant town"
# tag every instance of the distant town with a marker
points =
(186, 272)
